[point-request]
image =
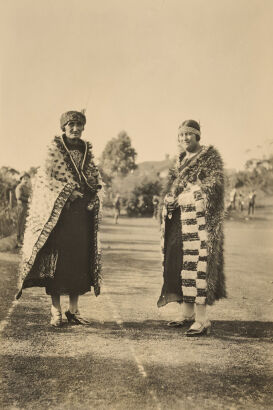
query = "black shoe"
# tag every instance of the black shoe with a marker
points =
(182, 323)
(76, 318)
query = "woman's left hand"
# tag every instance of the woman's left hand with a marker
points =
(75, 194)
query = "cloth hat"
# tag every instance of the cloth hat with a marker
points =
(185, 128)
(72, 116)
(191, 126)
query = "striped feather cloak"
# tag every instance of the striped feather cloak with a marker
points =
(198, 186)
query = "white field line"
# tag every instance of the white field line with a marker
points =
(140, 366)
(4, 322)
(119, 321)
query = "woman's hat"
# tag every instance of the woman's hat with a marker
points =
(72, 116)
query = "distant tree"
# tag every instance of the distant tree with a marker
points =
(8, 181)
(258, 175)
(118, 157)
(107, 182)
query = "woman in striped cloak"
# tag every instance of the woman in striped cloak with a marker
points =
(192, 231)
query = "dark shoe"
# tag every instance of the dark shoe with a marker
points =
(182, 323)
(201, 330)
(76, 318)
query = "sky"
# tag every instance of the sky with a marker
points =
(142, 66)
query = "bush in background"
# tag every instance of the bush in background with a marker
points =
(8, 221)
(140, 201)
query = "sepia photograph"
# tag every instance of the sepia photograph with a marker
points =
(136, 205)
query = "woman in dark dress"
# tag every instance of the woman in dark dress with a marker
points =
(61, 249)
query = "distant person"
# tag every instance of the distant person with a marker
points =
(61, 250)
(10, 197)
(251, 202)
(117, 205)
(192, 231)
(22, 193)
(241, 201)
(141, 204)
(232, 197)
(155, 206)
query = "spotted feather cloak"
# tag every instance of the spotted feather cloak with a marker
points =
(198, 186)
(53, 184)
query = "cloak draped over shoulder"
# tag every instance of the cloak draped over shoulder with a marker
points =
(195, 231)
(56, 179)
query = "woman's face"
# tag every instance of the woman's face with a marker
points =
(187, 141)
(73, 129)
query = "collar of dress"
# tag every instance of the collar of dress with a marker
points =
(192, 160)
(79, 172)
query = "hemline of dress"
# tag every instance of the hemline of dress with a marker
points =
(66, 292)
(169, 298)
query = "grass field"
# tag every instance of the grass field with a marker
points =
(127, 358)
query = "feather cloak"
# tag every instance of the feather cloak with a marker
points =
(199, 185)
(53, 184)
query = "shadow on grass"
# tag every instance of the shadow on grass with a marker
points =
(233, 330)
(30, 320)
(239, 331)
(78, 382)
(227, 329)
(92, 381)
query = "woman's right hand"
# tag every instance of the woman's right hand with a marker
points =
(170, 203)
(75, 195)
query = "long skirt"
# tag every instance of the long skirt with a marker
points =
(173, 261)
(66, 258)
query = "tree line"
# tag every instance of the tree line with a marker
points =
(137, 186)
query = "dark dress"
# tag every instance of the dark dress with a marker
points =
(173, 260)
(69, 251)
(172, 286)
